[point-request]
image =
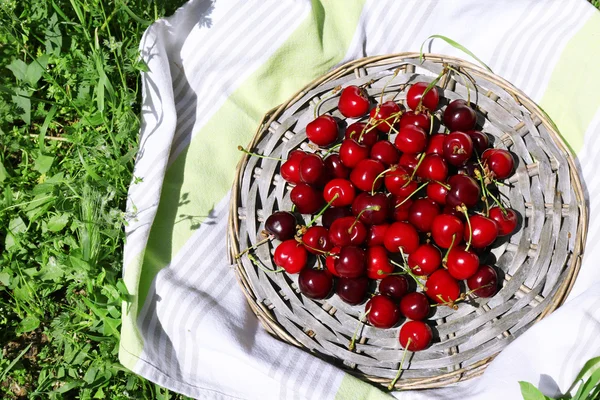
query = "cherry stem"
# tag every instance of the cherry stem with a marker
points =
(421, 158)
(391, 169)
(335, 196)
(470, 292)
(325, 97)
(299, 240)
(371, 208)
(360, 323)
(337, 146)
(431, 86)
(408, 270)
(253, 247)
(393, 382)
(430, 124)
(396, 72)
(448, 251)
(499, 203)
(462, 208)
(258, 264)
(484, 190)
(444, 185)
(243, 150)
(461, 74)
(449, 303)
(411, 195)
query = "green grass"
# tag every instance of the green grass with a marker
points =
(69, 123)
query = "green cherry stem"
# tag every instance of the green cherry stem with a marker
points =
(462, 77)
(445, 259)
(444, 185)
(253, 247)
(421, 158)
(259, 265)
(430, 123)
(431, 86)
(408, 271)
(371, 208)
(331, 149)
(323, 210)
(243, 150)
(412, 194)
(484, 191)
(361, 321)
(393, 382)
(325, 97)
(462, 208)
(390, 169)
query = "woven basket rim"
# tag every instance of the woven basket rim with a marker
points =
(265, 315)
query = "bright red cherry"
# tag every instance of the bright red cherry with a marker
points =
(411, 139)
(484, 231)
(344, 190)
(290, 170)
(484, 283)
(351, 152)
(323, 131)
(366, 175)
(281, 224)
(500, 162)
(382, 312)
(436, 144)
(291, 256)
(353, 102)
(378, 263)
(409, 161)
(425, 260)
(312, 169)
(372, 209)
(415, 335)
(362, 134)
(422, 120)
(331, 259)
(401, 235)
(463, 190)
(347, 231)
(352, 290)
(333, 213)
(458, 148)
(442, 287)
(316, 240)
(421, 214)
(385, 152)
(462, 264)
(307, 199)
(396, 179)
(335, 168)
(394, 286)
(481, 141)
(315, 283)
(376, 234)
(459, 116)
(401, 208)
(385, 116)
(415, 93)
(414, 306)
(437, 192)
(433, 168)
(444, 228)
(351, 262)
(506, 221)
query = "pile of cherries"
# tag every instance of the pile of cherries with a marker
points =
(404, 206)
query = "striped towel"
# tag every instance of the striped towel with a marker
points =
(214, 69)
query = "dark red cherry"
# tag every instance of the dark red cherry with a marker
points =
(307, 199)
(394, 286)
(281, 224)
(437, 192)
(415, 335)
(422, 120)
(414, 306)
(331, 259)
(421, 214)
(385, 152)
(352, 290)
(484, 283)
(433, 168)
(312, 169)
(469, 169)
(378, 262)
(323, 131)
(425, 260)
(500, 162)
(462, 263)
(484, 231)
(458, 148)
(444, 228)
(335, 168)
(347, 231)
(463, 190)
(481, 141)
(415, 93)
(409, 161)
(411, 139)
(442, 287)
(351, 152)
(343, 189)
(362, 134)
(386, 116)
(333, 213)
(316, 240)
(315, 283)
(459, 116)
(353, 102)
(351, 262)
(366, 175)
(506, 221)
(436, 144)
(372, 209)
(291, 256)
(376, 234)
(401, 235)
(290, 170)
(382, 312)
(401, 208)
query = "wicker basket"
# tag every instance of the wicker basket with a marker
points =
(539, 263)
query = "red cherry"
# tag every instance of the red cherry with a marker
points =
(385, 152)
(442, 287)
(307, 199)
(415, 335)
(281, 224)
(409, 161)
(351, 262)
(481, 141)
(368, 138)
(458, 148)
(331, 259)
(485, 231)
(396, 179)
(315, 283)
(351, 152)
(425, 260)
(291, 256)
(382, 312)
(461, 263)
(459, 116)
(414, 306)
(463, 190)
(401, 235)
(408, 190)
(414, 94)
(344, 190)
(333, 213)
(444, 227)
(433, 168)
(401, 208)
(384, 115)
(378, 262)
(411, 139)
(437, 192)
(394, 286)
(436, 144)
(312, 169)
(323, 131)
(290, 170)
(352, 290)
(500, 162)
(372, 209)
(507, 223)
(316, 240)
(347, 231)
(353, 102)
(484, 283)
(366, 175)
(335, 168)
(422, 120)
(421, 214)
(375, 234)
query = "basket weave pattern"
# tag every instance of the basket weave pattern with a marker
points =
(537, 265)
